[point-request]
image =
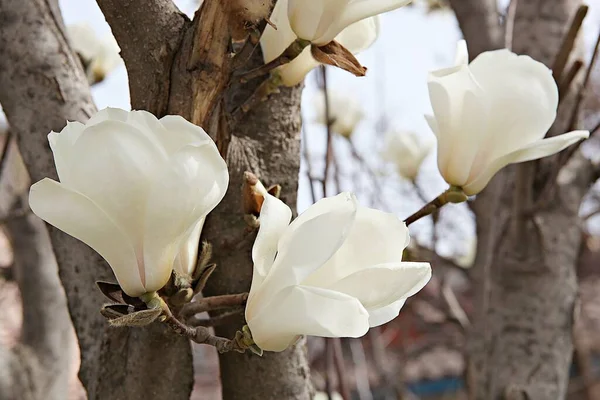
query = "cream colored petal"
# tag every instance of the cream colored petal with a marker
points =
(302, 310)
(187, 258)
(376, 237)
(360, 35)
(523, 98)
(61, 144)
(274, 41)
(78, 216)
(295, 71)
(108, 114)
(275, 218)
(533, 151)
(115, 167)
(358, 10)
(383, 285)
(460, 108)
(187, 188)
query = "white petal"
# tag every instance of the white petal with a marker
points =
(79, 217)
(295, 71)
(311, 19)
(533, 151)
(61, 144)
(383, 285)
(181, 132)
(302, 310)
(312, 239)
(187, 258)
(360, 9)
(108, 114)
(462, 53)
(459, 108)
(191, 184)
(115, 166)
(384, 315)
(275, 218)
(376, 237)
(274, 41)
(360, 35)
(523, 98)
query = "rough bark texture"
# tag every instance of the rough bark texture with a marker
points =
(521, 344)
(265, 141)
(40, 365)
(479, 22)
(42, 86)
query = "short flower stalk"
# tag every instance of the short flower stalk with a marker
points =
(452, 195)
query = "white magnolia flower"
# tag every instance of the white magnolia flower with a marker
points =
(490, 113)
(335, 271)
(345, 112)
(100, 56)
(356, 38)
(325, 396)
(467, 259)
(407, 151)
(320, 21)
(135, 189)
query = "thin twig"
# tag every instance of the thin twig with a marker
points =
(329, 148)
(564, 158)
(454, 306)
(567, 82)
(5, 151)
(568, 43)
(361, 370)
(340, 367)
(215, 321)
(509, 24)
(213, 303)
(306, 155)
(584, 85)
(200, 334)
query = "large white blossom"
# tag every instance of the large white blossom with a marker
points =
(320, 21)
(136, 189)
(490, 113)
(356, 38)
(335, 271)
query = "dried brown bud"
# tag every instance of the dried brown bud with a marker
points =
(337, 55)
(252, 200)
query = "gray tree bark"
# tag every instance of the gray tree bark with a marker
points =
(178, 66)
(521, 343)
(40, 364)
(41, 86)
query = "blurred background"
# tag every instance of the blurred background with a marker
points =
(421, 353)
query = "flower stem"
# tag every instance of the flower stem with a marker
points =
(291, 52)
(452, 195)
(201, 334)
(214, 303)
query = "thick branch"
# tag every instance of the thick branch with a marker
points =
(480, 24)
(149, 33)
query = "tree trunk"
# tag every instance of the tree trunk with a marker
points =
(521, 344)
(39, 366)
(41, 86)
